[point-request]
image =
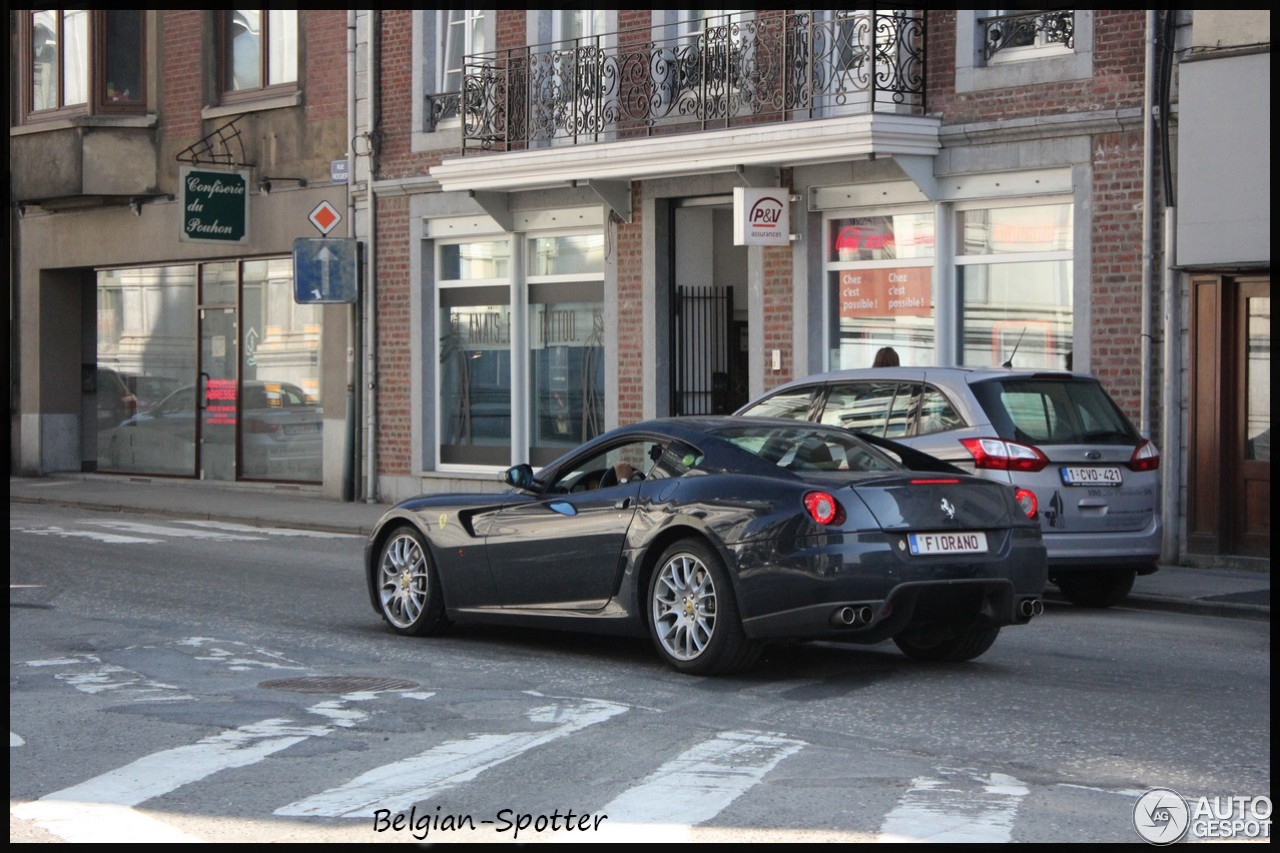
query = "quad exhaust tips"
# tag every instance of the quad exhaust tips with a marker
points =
(1031, 607)
(852, 617)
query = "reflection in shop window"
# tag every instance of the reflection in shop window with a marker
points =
(281, 433)
(1014, 279)
(475, 375)
(146, 370)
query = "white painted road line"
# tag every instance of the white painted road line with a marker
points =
(962, 809)
(400, 785)
(694, 787)
(68, 813)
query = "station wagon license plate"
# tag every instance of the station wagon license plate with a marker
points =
(961, 542)
(1091, 475)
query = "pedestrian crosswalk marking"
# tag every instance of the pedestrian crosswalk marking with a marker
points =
(695, 786)
(963, 807)
(63, 812)
(399, 785)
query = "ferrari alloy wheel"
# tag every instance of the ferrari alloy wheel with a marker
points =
(692, 612)
(941, 642)
(408, 589)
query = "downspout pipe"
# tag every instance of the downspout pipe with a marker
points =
(371, 278)
(350, 462)
(1148, 200)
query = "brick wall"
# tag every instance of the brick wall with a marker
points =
(629, 338)
(396, 336)
(1115, 279)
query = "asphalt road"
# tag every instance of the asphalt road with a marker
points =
(186, 679)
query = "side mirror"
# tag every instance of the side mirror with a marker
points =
(520, 477)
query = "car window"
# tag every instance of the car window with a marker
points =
(1051, 411)
(798, 449)
(880, 408)
(676, 460)
(793, 405)
(610, 467)
(936, 413)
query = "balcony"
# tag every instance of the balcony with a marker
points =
(83, 163)
(723, 73)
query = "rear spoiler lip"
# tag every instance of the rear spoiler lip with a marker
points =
(915, 460)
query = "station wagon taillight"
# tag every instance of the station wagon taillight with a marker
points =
(1001, 455)
(823, 508)
(1145, 457)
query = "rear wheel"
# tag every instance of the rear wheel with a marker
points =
(408, 587)
(693, 616)
(943, 642)
(1096, 588)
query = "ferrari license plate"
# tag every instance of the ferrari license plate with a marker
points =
(974, 542)
(1091, 475)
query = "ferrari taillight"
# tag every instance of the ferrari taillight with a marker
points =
(1145, 457)
(823, 508)
(1004, 455)
(1027, 502)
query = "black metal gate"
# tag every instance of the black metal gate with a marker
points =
(705, 356)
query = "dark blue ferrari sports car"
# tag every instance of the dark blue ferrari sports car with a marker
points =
(715, 535)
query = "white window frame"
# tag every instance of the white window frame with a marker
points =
(520, 344)
(975, 75)
(831, 350)
(1065, 256)
(430, 33)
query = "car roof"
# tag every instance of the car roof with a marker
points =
(949, 375)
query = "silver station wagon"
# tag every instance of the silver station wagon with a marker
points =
(1058, 438)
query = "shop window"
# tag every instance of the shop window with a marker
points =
(79, 61)
(281, 411)
(881, 288)
(521, 368)
(259, 52)
(1013, 274)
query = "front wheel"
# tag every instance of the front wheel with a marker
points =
(1100, 588)
(693, 616)
(946, 643)
(408, 587)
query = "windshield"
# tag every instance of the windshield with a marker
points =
(803, 448)
(1054, 411)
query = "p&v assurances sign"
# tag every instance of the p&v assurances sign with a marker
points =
(215, 206)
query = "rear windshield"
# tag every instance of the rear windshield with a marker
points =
(1054, 411)
(801, 448)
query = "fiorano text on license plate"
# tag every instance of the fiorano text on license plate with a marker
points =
(965, 542)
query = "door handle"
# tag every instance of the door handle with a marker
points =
(622, 504)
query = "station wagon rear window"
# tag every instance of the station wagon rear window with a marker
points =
(1054, 411)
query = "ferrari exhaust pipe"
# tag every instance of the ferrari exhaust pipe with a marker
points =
(852, 617)
(1031, 607)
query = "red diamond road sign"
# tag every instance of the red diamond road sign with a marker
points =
(325, 217)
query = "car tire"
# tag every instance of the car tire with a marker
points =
(1096, 588)
(946, 643)
(409, 595)
(692, 614)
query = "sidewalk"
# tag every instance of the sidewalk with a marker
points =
(1213, 591)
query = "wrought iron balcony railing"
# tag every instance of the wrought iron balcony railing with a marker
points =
(1028, 29)
(735, 70)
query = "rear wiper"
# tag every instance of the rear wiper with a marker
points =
(1104, 435)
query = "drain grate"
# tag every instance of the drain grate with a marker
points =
(338, 684)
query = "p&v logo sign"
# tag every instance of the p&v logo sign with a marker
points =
(761, 217)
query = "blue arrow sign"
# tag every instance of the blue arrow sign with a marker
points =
(325, 269)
